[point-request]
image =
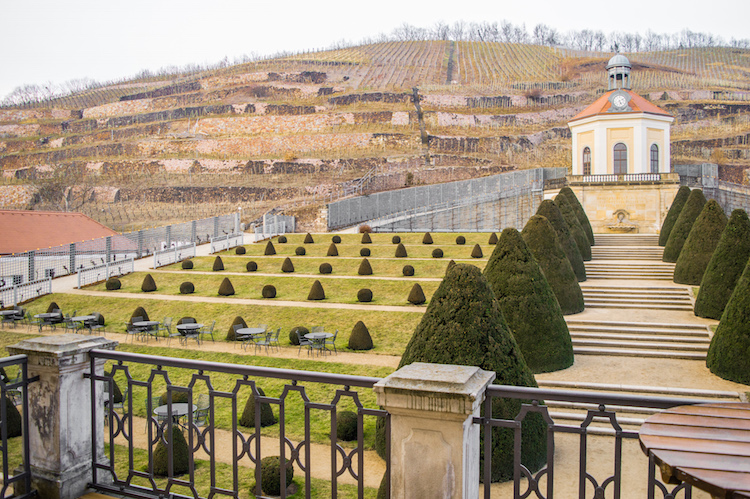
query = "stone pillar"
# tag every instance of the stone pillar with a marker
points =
(60, 412)
(434, 444)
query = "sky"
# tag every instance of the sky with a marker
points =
(52, 41)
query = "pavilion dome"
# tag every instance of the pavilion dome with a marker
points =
(618, 60)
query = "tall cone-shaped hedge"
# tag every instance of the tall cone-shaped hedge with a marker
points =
(218, 264)
(690, 212)
(725, 267)
(568, 193)
(463, 325)
(700, 244)
(529, 305)
(541, 239)
(729, 353)
(180, 453)
(579, 236)
(138, 312)
(673, 214)
(270, 250)
(14, 422)
(332, 250)
(226, 288)
(238, 321)
(247, 419)
(549, 210)
(148, 285)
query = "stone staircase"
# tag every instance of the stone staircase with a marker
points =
(620, 240)
(659, 271)
(627, 253)
(643, 297)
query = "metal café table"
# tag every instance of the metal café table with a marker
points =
(178, 411)
(46, 316)
(189, 329)
(319, 340)
(705, 445)
(247, 334)
(148, 327)
(83, 319)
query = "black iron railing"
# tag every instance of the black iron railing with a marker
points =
(216, 438)
(15, 390)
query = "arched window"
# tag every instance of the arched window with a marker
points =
(654, 158)
(621, 159)
(586, 161)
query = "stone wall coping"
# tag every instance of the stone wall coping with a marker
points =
(63, 345)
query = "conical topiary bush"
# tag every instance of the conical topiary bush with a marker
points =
(366, 239)
(729, 353)
(138, 312)
(316, 291)
(52, 307)
(725, 267)
(427, 238)
(681, 230)
(360, 338)
(226, 288)
(332, 250)
(148, 285)
(218, 264)
(529, 305)
(541, 239)
(14, 423)
(308, 239)
(700, 244)
(571, 197)
(492, 239)
(549, 210)
(579, 236)
(463, 325)
(238, 321)
(364, 267)
(416, 295)
(287, 265)
(248, 414)
(673, 214)
(476, 251)
(270, 250)
(401, 251)
(179, 454)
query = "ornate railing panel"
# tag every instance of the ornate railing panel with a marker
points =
(226, 242)
(173, 255)
(103, 272)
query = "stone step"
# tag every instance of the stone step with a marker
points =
(637, 325)
(633, 290)
(636, 298)
(622, 344)
(638, 352)
(660, 266)
(645, 330)
(626, 239)
(628, 275)
(598, 303)
(619, 336)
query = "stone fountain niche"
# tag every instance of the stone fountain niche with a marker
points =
(622, 223)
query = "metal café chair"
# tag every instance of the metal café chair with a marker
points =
(275, 339)
(332, 341)
(204, 331)
(303, 342)
(264, 342)
(166, 326)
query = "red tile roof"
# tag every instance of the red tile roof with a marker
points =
(24, 230)
(637, 105)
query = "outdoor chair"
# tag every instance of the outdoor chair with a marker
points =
(166, 326)
(332, 341)
(275, 339)
(304, 342)
(31, 321)
(93, 324)
(265, 342)
(200, 416)
(239, 337)
(204, 331)
(8, 319)
(132, 330)
(317, 329)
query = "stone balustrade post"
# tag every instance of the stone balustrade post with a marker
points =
(434, 443)
(60, 412)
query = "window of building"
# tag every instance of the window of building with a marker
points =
(586, 161)
(654, 158)
(621, 159)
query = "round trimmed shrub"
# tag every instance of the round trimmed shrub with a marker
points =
(14, 423)
(293, 338)
(476, 251)
(693, 207)
(437, 253)
(427, 238)
(364, 295)
(325, 268)
(396, 239)
(673, 214)
(568, 193)
(52, 307)
(364, 268)
(187, 264)
(316, 291)
(187, 288)
(226, 288)
(251, 266)
(492, 239)
(308, 239)
(218, 264)
(336, 239)
(346, 426)
(401, 251)
(529, 305)
(177, 398)
(554, 216)
(416, 295)
(576, 231)
(360, 338)
(113, 283)
(287, 265)
(148, 284)
(460, 240)
(300, 251)
(364, 252)
(99, 318)
(408, 270)
(238, 321)
(271, 475)
(332, 250)
(282, 239)
(366, 239)
(700, 244)
(541, 238)
(116, 392)
(269, 291)
(138, 312)
(270, 250)
(248, 414)
(179, 455)
(240, 250)
(183, 320)
(725, 267)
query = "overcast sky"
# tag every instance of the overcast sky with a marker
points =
(53, 40)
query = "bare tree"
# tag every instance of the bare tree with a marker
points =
(458, 31)
(440, 31)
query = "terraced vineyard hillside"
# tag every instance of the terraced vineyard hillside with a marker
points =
(290, 134)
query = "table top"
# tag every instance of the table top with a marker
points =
(250, 331)
(706, 445)
(177, 409)
(48, 315)
(8, 312)
(82, 318)
(318, 336)
(146, 323)
(189, 326)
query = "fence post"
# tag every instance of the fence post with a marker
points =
(216, 226)
(169, 236)
(193, 230)
(108, 243)
(72, 257)
(32, 257)
(60, 426)
(433, 434)
(140, 243)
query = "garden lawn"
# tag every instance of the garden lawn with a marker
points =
(407, 238)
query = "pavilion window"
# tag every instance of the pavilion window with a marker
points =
(586, 161)
(620, 159)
